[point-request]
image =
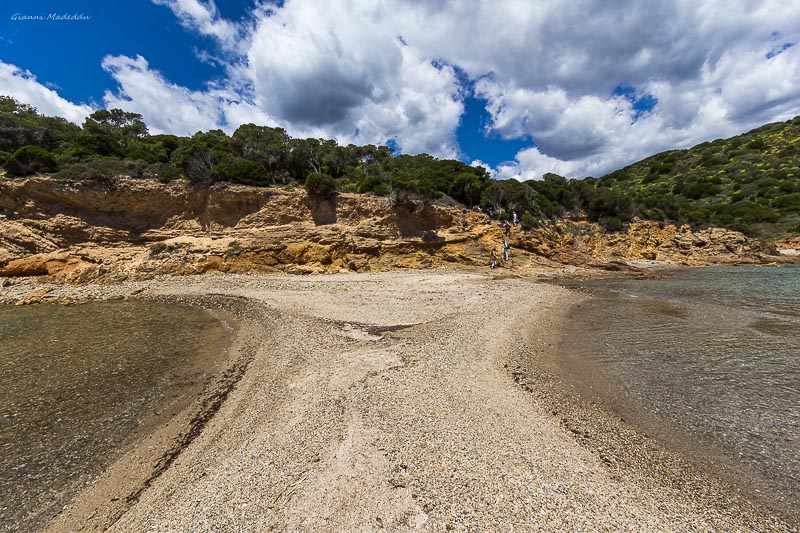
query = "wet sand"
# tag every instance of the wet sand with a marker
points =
(405, 401)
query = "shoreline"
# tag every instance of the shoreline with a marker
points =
(593, 384)
(401, 391)
(602, 415)
(154, 446)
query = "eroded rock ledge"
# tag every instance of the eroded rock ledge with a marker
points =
(136, 229)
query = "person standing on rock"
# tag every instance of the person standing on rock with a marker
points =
(507, 228)
(506, 247)
(493, 256)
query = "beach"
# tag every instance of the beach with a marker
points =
(396, 401)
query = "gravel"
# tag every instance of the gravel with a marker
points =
(408, 401)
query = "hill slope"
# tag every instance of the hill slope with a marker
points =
(750, 182)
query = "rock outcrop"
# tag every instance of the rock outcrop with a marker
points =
(790, 246)
(653, 241)
(80, 232)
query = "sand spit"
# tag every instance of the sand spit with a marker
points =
(404, 401)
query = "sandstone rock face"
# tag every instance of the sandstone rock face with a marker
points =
(790, 247)
(652, 241)
(79, 232)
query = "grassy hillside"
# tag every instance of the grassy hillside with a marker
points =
(750, 182)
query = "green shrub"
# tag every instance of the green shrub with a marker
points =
(243, 171)
(550, 208)
(744, 212)
(528, 221)
(234, 248)
(30, 160)
(654, 214)
(611, 223)
(321, 185)
(696, 189)
(349, 187)
(695, 216)
(712, 160)
(372, 184)
(788, 201)
(406, 190)
(660, 168)
(103, 169)
(164, 172)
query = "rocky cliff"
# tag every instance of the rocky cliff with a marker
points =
(140, 228)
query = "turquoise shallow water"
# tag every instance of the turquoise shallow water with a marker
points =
(713, 357)
(78, 382)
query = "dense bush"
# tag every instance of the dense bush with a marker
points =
(30, 160)
(243, 171)
(106, 169)
(696, 189)
(372, 184)
(528, 221)
(321, 185)
(788, 201)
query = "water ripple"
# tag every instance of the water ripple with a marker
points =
(713, 351)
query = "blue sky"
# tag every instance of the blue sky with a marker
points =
(69, 54)
(574, 88)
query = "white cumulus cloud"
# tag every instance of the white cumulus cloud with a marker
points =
(712, 69)
(170, 108)
(23, 85)
(591, 85)
(204, 18)
(166, 107)
(340, 68)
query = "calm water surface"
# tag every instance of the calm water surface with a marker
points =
(714, 356)
(78, 382)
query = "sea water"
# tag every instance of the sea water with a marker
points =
(78, 382)
(712, 356)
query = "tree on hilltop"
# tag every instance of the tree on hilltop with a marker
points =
(264, 145)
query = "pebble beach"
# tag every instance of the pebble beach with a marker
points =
(398, 401)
